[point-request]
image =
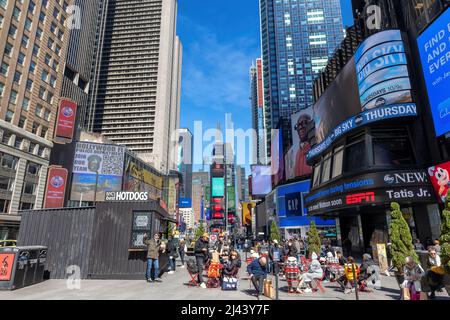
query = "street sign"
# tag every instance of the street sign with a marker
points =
(213, 237)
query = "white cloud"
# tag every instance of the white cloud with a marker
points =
(216, 72)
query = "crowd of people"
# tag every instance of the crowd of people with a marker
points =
(291, 259)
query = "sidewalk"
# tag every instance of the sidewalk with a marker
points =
(174, 287)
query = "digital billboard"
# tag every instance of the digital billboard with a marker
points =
(434, 49)
(440, 178)
(261, 180)
(96, 167)
(247, 213)
(231, 198)
(300, 144)
(218, 187)
(373, 86)
(277, 161)
(65, 123)
(185, 203)
(382, 71)
(56, 188)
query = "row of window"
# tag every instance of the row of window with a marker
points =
(373, 147)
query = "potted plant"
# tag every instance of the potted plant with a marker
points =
(275, 232)
(401, 242)
(313, 239)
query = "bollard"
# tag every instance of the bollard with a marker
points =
(276, 271)
(355, 281)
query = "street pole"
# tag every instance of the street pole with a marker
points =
(355, 281)
(95, 190)
(276, 271)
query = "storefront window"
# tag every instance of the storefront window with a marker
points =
(326, 168)
(337, 161)
(355, 154)
(391, 147)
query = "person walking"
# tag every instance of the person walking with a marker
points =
(153, 250)
(172, 252)
(258, 272)
(201, 256)
(182, 248)
(418, 245)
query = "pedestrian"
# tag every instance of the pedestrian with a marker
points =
(433, 260)
(182, 249)
(418, 245)
(291, 251)
(172, 252)
(413, 273)
(153, 250)
(365, 267)
(202, 256)
(315, 271)
(258, 272)
(341, 259)
(437, 246)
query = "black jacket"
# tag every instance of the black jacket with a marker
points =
(231, 266)
(199, 246)
(291, 251)
(172, 248)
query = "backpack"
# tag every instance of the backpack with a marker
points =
(191, 266)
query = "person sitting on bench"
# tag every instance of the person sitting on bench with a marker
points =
(258, 272)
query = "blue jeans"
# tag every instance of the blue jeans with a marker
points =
(172, 264)
(155, 264)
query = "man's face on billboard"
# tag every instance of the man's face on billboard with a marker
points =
(301, 125)
(94, 163)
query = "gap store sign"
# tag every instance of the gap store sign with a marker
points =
(434, 49)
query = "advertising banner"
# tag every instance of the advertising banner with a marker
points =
(440, 178)
(277, 160)
(261, 180)
(231, 198)
(434, 49)
(96, 167)
(289, 164)
(374, 188)
(300, 144)
(375, 79)
(247, 213)
(218, 187)
(145, 175)
(185, 203)
(56, 188)
(65, 123)
(6, 266)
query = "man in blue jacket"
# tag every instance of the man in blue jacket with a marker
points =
(258, 271)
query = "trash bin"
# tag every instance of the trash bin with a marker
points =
(20, 267)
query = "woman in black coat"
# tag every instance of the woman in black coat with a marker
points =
(232, 266)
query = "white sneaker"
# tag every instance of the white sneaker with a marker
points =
(203, 285)
(170, 272)
(308, 290)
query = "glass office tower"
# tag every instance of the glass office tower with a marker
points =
(297, 37)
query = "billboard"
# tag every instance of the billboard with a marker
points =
(434, 50)
(231, 198)
(96, 167)
(440, 178)
(185, 203)
(300, 144)
(277, 161)
(261, 180)
(65, 123)
(56, 188)
(382, 68)
(247, 213)
(218, 187)
(373, 86)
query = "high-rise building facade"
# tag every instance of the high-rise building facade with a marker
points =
(137, 95)
(185, 159)
(297, 37)
(33, 44)
(257, 109)
(200, 180)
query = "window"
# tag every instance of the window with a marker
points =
(2, 86)
(22, 122)
(18, 142)
(50, 97)
(42, 17)
(53, 27)
(8, 161)
(8, 49)
(25, 40)
(6, 184)
(4, 69)
(38, 110)
(25, 103)
(29, 188)
(29, 85)
(34, 129)
(44, 75)
(33, 168)
(32, 66)
(326, 168)
(55, 13)
(9, 116)
(338, 159)
(58, 49)
(47, 115)
(35, 50)
(355, 152)
(28, 24)
(26, 206)
(317, 170)
(50, 43)
(48, 58)
(3, 3)
(13, 97)
(17, 76)
(39, 33)
(4, 204)
(55, 65)
(21, 59)
(44, 132)
(391, 146)
(31, 7)
(12, 31)
(52, 81)
(16, 13)
(41, 93)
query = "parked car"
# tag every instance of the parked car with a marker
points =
(8, 243)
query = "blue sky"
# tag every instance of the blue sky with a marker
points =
(220, 40)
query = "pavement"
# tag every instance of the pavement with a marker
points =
(174, 287)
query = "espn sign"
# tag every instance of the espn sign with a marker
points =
(126, 196)
(357, 198)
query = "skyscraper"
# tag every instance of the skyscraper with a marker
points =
(298, 37)
(185, 159)
(257, 109)
(200, 180)
(33, 45)
(137, 95)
